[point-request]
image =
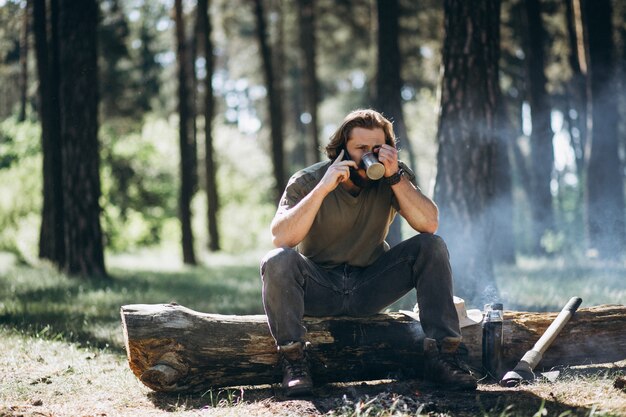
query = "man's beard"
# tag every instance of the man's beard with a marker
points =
(359, 181)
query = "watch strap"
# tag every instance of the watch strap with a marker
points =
(395, 178)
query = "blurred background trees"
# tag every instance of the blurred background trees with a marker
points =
(231, 97)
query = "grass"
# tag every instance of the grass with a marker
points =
(43, 301)
(547, 284)
(62, 348)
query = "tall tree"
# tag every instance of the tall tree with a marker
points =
(275, 107)
(389, 84)
(576, 89)
(209, 111)
(541, 150)
(306, 26)
(193, 98)
(51, 240)
(511, 164)
(467, 136)
(503, 242)
(604, 183)
(149, 68)
(24, 31)
(117, 97)
(185, 138)
(78, 23)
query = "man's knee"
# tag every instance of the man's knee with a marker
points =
(433, 245)
(280, 264)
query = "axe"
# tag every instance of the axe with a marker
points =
(523, 371)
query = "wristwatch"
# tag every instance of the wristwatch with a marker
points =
(395, 178)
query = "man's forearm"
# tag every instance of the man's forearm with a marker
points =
(419, 211)
(291, 226)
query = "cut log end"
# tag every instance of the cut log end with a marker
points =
(161, 377)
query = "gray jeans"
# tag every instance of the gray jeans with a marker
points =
(294, 286)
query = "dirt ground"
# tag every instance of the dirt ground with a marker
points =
(580, 392)
(40, 377)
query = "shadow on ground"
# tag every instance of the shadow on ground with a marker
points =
(374, 398)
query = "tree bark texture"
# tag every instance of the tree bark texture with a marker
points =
(172, 348)
(467, 137)
(78, 22)
(275, 108)
(187, 157)
(541, 150)
(51, 241)
(306, 20)
(604, 183)
(209, 111)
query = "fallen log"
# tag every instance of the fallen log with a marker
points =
(172, 348)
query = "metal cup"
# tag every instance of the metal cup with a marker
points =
(373, 168)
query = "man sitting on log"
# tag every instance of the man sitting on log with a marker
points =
(332, 258)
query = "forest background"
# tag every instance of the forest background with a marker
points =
(187, 118)
(144, 145)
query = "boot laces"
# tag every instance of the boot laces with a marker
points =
(453, 363)
(297, 368)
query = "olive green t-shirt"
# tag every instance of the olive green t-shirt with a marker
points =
(347, 229)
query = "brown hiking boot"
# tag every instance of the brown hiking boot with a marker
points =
(443, 365)
(296, 375)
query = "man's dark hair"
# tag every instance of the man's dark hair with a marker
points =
(365, 118)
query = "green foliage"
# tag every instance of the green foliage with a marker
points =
(20, 167)
(18, 141)
(130, 40)
(245, 182)
(139, 184)
(139, 177)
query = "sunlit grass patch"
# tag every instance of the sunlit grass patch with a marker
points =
(47, 376)
(87, 311)
(542, 284)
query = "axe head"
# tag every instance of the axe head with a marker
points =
(522, 372)
(516, 377)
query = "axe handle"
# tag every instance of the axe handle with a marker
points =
(534, 356)
(557, 325)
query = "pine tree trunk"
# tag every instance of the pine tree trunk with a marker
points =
(51, 240)
(467, 138)
(209, 110)
(541, 150)
(503, 242)
(193, 101)
(78, 22)
(576, 89)
(577, 96)
(275, 109)
(25, 29)
(185, 139)
(306, 20)
(604, 183)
